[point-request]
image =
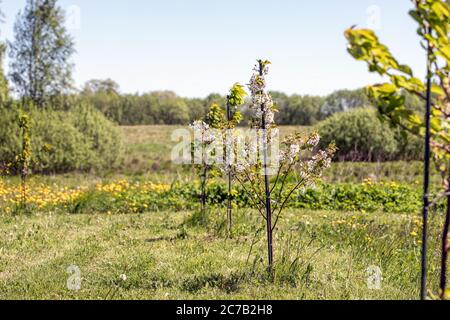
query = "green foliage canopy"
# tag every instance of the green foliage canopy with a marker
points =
(41, 52)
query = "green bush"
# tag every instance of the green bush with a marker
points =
(81, 139)
(361, 136)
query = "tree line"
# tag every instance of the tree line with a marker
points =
(41, 74)
(166, 107)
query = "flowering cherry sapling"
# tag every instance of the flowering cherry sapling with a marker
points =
(263, 169)
(203, 139)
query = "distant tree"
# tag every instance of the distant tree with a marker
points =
(4, 90)
(173, 109)
(197, 109)
(215, 98)
(166, 107)
(297, 109)
(105, 96)
(344, 100)
(41, 51)
(107, 86)
(282, 103)
(304, 110)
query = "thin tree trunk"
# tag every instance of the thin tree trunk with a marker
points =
(268, 213)
(230, 207)
(24, 190)
(24, 171)
(268, 203)
(426, 187)
(203, 196)
(230, 182)
(445, 249)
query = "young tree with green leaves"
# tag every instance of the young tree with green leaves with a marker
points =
(217, 127)
(235, 99)
(41, 52)
(24, 158)
(433, 19)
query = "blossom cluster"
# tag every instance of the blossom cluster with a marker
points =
(202, 132)
(320, 161)
(247, 152)
(298, 152)
(261, 102)
(296, 144)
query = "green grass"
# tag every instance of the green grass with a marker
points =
(179, 255)
(148, 149)
(172, 256)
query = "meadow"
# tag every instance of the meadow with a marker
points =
(136, 233)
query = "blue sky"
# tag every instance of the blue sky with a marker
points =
(195, 47)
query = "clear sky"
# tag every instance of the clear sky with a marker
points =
(195, 47)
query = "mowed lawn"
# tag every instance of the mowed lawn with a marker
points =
(166, 255)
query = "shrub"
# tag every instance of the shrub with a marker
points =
(81, 139)
(361, 136)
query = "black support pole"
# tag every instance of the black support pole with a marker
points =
(426, 187)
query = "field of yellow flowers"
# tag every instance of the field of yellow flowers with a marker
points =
(40, 197)
(128, 196)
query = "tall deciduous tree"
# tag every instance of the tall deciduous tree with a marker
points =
(41, 52)
(4, 92)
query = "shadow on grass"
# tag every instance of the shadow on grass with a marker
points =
(181, 235)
